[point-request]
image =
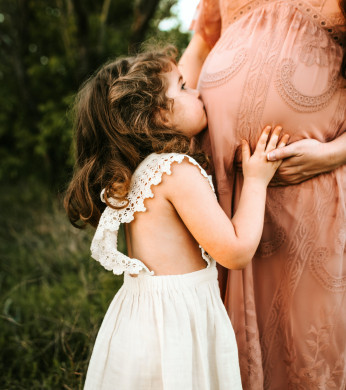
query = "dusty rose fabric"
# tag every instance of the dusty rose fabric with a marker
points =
(277, 62)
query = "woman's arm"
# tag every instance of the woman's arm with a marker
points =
(192, 60)
(307, 158)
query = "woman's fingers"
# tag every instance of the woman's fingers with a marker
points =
(276, 154)
(273, 141)
(282, 152)
(262, 142)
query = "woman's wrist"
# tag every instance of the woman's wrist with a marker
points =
(335, 152)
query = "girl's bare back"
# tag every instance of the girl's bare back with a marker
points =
(160, 239)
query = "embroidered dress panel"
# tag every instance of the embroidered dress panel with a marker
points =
(277, 62)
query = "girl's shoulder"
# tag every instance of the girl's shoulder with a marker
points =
(150, 173)
(152, 168)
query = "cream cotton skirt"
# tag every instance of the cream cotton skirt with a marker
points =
(166, 332)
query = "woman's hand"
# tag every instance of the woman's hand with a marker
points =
(257, 167)
(307, 158)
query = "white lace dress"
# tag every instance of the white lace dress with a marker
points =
(167, 332)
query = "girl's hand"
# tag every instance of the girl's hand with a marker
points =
(307, 158)
(257, 167)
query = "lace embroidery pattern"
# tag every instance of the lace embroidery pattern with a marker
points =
(258, 80)
(299, 251)
(104, 246)
(269, 247)
(294, 98)
(314, 53)
(307, 229)
(251, 355)
(229, 43)
(316, 264)
(251, 108)
(338, 117)
(209, 80)
(314, 372)
(276, 199)
(148, 173)
(330, 24)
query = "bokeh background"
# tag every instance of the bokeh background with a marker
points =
(53, 296)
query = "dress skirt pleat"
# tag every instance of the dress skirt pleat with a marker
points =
(166, 332)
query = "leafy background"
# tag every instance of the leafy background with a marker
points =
(52, 295)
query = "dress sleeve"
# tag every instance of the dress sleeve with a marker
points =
(207, 21)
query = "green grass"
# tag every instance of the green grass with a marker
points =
(53, 296)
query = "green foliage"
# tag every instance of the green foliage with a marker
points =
(53, 296)
(173, 36)
(48, 48)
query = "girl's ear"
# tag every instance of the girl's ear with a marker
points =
(164, 117)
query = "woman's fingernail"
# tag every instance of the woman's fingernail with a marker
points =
(271, 156)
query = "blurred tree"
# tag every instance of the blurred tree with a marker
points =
(47, 49)
(144, 11)
(52, 297)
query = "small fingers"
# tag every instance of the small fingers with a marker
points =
(278, 154)
(282, 150)
(262, 142)
(273, 141)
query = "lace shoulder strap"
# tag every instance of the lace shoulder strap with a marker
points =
(149, 173)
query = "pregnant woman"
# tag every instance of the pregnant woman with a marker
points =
(278, 62)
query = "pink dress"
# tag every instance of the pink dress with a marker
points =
(277, 62)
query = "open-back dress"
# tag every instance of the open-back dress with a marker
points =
(169, 332)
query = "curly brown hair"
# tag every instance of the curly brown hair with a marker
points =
(119, 120)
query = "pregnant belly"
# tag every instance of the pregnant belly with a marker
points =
(267, 71)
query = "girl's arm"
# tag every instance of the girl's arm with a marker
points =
(191, 62)
(307, 158)
(232, 243)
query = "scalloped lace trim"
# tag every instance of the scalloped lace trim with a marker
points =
(104, 243)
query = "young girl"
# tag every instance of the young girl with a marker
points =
(167, 327)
